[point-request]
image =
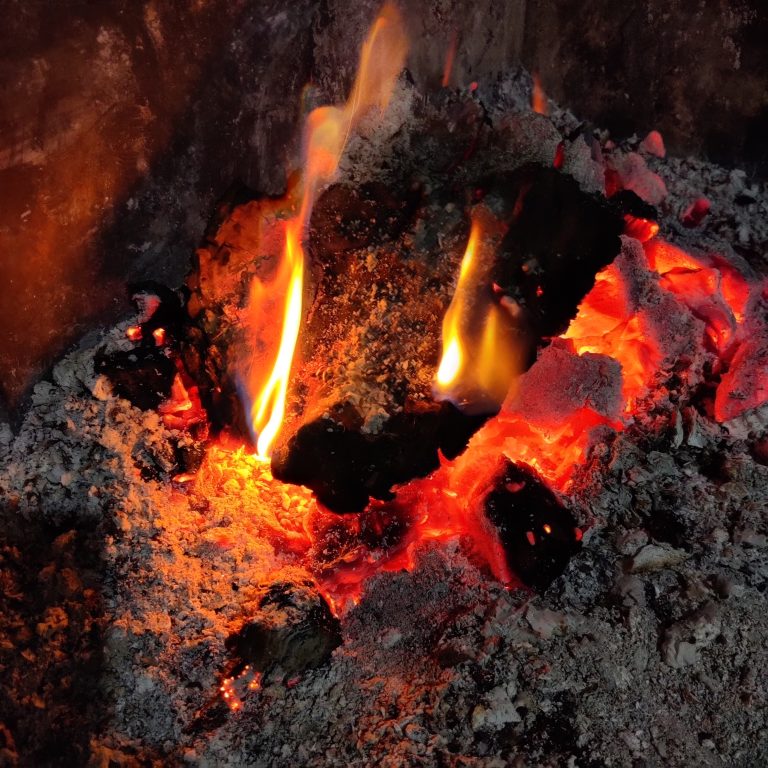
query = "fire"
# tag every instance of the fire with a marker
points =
(327, 130)
(478, 361)
(268, 408)
(538, 97)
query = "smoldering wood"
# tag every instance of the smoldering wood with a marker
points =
(558, 238)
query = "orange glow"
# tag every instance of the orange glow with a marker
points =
(639, 228)
(160, 336)
(234, 689)
(716, 294)
(183, 408)
(326, 133)
(479, 359)
(607, 324)
(538, 97)
(450, 55)
(133, 332)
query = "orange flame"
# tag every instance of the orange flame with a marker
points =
(450, 55)
(326, 133)
(478, 362)
(538, 97)
(268, 408)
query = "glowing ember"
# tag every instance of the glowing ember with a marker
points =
(639, 228)
(327, 130)
(716, 294)
(183, 408)
(479, 359)
(159, 336)
(134, 332)
(234, 689)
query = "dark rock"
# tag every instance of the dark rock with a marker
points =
(293, 631)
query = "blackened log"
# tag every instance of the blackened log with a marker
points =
(345, 466)
(559, 238)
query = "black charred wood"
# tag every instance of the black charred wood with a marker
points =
(629, 203)
(349, 218)
(559, 238)
(166, 313)
(142, 375)
(538, 533)
(345, 466)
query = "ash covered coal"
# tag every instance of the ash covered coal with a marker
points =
(649, 647)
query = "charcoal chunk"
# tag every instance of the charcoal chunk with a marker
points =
(143, 375)
(538, 534)
(345, 466)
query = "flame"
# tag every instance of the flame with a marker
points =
(268, 408)
(450, 55)
(327, 129)
(478, 362)
(381, 60)
(538, 97)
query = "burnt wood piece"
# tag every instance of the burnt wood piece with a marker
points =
(161, 309)
(142, 375)
(345, 466)
(558, 238)
(292, 631)
(538, 534)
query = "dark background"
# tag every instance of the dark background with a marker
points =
(122, 122)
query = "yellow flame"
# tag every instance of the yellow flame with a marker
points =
(268, 409)
(452, 360)
(479, 360)
(327, 129)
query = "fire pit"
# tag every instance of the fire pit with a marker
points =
(456, 453)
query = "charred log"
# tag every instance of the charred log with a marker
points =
(558, 239)
(345, 466)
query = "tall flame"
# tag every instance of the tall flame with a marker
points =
(327, 129)
(479, 360)
(268, 408)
